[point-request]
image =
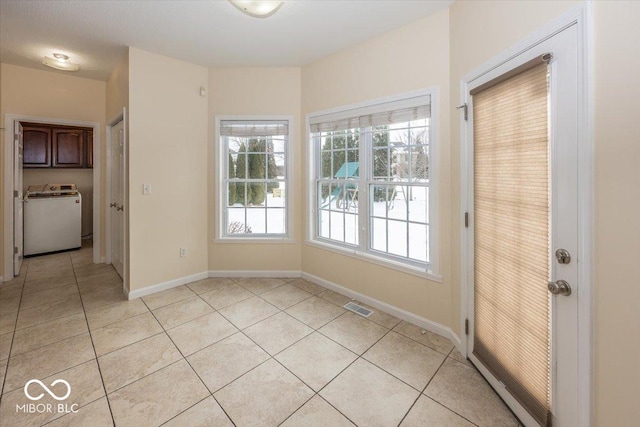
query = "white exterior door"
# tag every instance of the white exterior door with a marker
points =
(117, 196)
(18, 200)
(562, 227)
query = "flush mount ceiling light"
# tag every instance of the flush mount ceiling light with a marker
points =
(257, 8)
(60, 61)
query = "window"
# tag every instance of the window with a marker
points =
(373, 181)
(254, 176)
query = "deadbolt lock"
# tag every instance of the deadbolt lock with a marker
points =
(559, 287)
(563, 256)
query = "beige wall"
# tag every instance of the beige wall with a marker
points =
(257, 92)
(118, 88)
(481, 30)
(172, 147)
(617, 226)
(40, 93)
(168, 150)
(411, 58)
(83, 178)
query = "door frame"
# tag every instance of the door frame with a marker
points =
(581, 16)
(121, 117)
(8, 243)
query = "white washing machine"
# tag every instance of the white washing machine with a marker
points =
(52, 218)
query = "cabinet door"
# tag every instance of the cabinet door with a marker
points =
(89, 148)
(68, 148)
(37, 147)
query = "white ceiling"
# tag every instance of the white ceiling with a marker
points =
(206, 32)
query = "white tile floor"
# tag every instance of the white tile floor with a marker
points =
(246, 352)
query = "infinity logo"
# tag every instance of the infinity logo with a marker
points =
(52, 394)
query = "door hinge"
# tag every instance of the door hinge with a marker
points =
(466, 110)
(15, 193)
(15, 250)
(466, 219)
(466, 326)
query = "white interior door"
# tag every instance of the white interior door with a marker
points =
(117, 196)
(18, 200)
(562, 233)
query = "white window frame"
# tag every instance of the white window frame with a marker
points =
(220, 161)
(428, 270)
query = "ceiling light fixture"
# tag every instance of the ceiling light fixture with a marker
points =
(61, 57)
(257, 8)
(60, 61)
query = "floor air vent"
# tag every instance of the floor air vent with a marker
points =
(364, 312)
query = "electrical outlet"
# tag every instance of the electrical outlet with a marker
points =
(183, 252)
(146, 189)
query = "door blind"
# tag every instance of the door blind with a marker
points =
(512, 236)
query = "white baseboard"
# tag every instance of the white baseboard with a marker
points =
(420, 321)
(380, 305)
(255, 273)
(137, 293)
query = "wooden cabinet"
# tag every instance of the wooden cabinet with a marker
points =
(36, 146)
(68, 148)
(89, 148)
(57, 146)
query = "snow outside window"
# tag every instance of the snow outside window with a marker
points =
(254, 182)
(372, 183)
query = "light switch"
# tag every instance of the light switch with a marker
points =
(146, 189)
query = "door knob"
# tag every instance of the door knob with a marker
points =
(559, 287)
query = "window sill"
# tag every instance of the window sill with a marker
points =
(253, 240)
(377, 260)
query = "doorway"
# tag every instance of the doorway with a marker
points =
(523, 146)
(14, 174)
(117, 199)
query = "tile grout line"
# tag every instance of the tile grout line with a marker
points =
(449, 409)
(347, 367)
(190, 407)
(190, 366)
(13, 336)
(104, 388)
(279, 311)
(420, 393)
(271, 357)
(250, 339)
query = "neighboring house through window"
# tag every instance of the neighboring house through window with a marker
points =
(373, 180)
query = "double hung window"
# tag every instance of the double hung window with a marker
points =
(254, 175)
(373, 180)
